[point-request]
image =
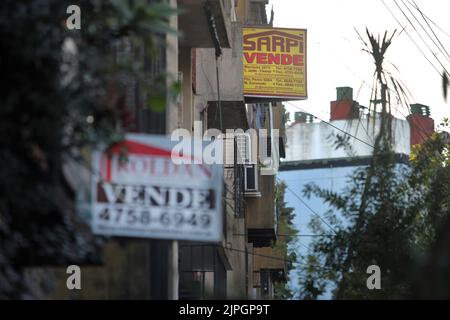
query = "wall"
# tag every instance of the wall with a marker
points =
(185, 65)
(307, 141)
(200, 94)
(329, 178)
(260, 210)
(326, 176)
(230, 70)
(234, 242)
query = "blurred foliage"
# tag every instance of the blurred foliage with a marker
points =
(56, 100)
(404, 209)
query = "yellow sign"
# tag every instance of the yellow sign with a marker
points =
(274, 63)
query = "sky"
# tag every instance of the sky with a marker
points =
(335, 58)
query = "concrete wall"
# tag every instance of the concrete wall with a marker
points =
(260, 210)
(328, 177)
(199, 89)
(125, 274)
(308, 141)
(185, 66)
(235, 242)
(230, 70)
(236, 277)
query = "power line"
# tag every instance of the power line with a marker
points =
(426, 21)
(310, 209)
(414, 27)
(363, 83)
(410, 37)
(303, 245)
(422, 130)
(373, 91)
(330, 124)
(238, 250)
(429, 19)
(314, 235)
(347, 133)
(426, 32)
(292, 235)
(360, 117)
(253, 254)
(299, 198)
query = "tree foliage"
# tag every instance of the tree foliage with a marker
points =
(388, 215)
(55, 102)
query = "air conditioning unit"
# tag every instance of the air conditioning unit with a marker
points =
(228, 150)
(237, 149)
(244, 148)
(266, 157)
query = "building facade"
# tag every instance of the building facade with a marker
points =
(206, 62)
(313, 156)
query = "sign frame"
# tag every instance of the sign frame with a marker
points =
(201, 222)
(279, 96)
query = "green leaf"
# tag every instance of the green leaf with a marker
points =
(157, 103)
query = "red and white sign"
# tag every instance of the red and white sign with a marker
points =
(139, 191)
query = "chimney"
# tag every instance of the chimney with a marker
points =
(420, 124)
(344, 108)
(303, 117)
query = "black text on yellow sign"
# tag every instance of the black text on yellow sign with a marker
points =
(274, 62)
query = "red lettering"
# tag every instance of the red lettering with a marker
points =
(274, 58)
(262, 58)
(249, 57)
(298, 60)
(286, 59)
(142, 166)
